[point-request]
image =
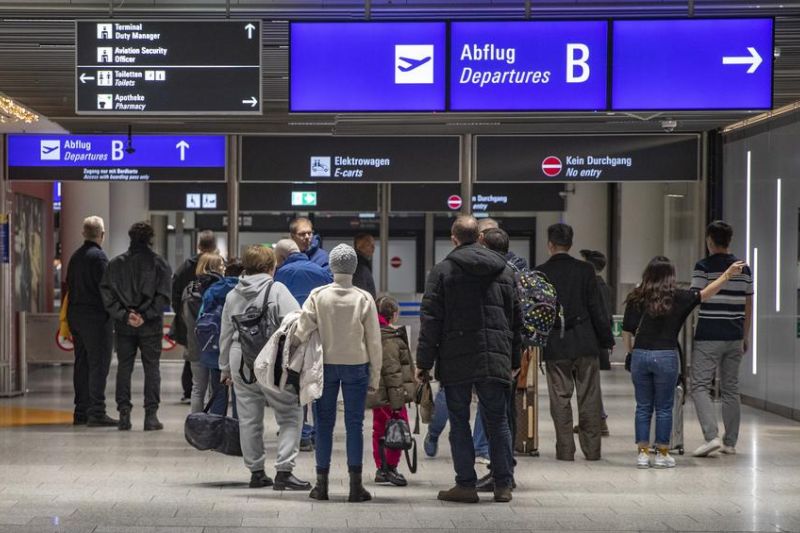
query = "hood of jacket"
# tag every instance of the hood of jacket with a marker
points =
(316, 244)
(297, 257)
(251, 286)
(477, 260)
(207, 280)
(388, 332)
(221, 288)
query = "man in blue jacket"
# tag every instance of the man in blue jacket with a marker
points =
(301, 275)
(302, 232)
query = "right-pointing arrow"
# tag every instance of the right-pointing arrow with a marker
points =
(754, 60)
(253, 101)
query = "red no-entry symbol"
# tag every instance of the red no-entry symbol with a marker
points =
(396, 262)
(454, 202)
(551, 166)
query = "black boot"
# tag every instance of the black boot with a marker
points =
(101, 421)
(124, 420)
(357, 491)
(320, 491)
(287, 481)
(259, 479)
(151, 422)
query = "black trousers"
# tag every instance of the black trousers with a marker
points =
(186, 379)
(92, 337)
(150, 348)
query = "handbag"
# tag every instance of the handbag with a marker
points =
(207, 431)
(397, 436)
(424, 401)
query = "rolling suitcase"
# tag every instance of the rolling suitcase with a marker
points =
(526, 398)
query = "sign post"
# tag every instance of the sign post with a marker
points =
(134, 67)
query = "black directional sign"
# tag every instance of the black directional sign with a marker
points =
(132, 67)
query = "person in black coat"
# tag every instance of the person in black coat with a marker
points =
(470, 331)
(571, 354)
(184, 275)
(136, 291)
(90, 326)
(364, 244)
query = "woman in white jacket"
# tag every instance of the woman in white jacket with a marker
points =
(347, 321)
(251, 398)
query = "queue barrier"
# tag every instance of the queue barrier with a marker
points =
(41, 344)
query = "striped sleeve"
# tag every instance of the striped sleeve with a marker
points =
(748, 276)
(699, 277)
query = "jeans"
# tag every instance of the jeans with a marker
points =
(353, 380)
(708, 356)
(219, 394)
(655, 375)
(512, 424)
(150, 348)
(493, 396)
(308, 429)
(439, 421)
(92, 337)
(380, 416)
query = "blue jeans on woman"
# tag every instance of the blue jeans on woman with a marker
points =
(354, 380)
(219, 394)
(655, 375)
(479, 439)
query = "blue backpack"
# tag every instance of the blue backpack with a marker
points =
(207, 329)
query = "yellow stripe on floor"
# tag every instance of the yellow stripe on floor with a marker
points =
(24, 416)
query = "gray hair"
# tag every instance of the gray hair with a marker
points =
(93, 228)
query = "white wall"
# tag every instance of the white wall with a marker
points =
(587, 213)
(641, 229)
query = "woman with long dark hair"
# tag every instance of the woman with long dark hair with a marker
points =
(654, 314)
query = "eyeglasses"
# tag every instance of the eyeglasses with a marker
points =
(304, 233)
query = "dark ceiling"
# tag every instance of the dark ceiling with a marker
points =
(37, 62)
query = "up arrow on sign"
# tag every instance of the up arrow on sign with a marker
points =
(754, 60)
(182, 146)
(250, 29)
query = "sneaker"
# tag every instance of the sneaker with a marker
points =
(186, 400)
(431, 445)
(380, 476)
(396, 478)
(486, 483)
(708, 448)
(643, 460)
(604, 428)
(306, 445)
(727, 450)
(663, 460)
(482, 460)
(459, 495)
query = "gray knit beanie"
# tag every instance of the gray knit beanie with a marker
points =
(343, 260)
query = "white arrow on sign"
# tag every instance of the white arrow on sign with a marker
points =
(253, 101)
(182, 146)
(84, 78)
(250, 29)
(754, 60)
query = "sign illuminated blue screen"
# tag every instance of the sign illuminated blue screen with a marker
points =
(692, 64)
(528, 66)
(108, 157)
(367, 66)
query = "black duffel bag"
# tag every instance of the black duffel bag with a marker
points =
(206, 431)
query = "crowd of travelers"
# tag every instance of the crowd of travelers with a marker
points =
(289, 326)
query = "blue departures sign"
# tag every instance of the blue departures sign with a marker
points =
(367, 66)
(528, 66)
(692, 64)
(108, 158)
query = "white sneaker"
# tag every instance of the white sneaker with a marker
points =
(664, 460)
(727, 450)
(643, 461)
(708, 448)
(481, 460)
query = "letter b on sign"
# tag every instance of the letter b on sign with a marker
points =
(577, 63)
(117, 152)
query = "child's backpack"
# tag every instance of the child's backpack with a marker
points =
(540, 307)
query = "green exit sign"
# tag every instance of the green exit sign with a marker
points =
(304, 198)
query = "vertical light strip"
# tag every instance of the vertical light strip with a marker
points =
(754, 348)
(778, 250)
(747, 211)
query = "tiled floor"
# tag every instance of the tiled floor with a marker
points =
(59, 478)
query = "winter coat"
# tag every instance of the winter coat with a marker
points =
(184, 275)
(137, 280)
(317, 254)
(397, 386)
(214, 297)
(301, 276)
(86, 268)
(470, 318)
(362, 277)
(587, 327)
(249, 292)
(274, 363)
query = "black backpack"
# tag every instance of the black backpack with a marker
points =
(397, 436)
(255, 326)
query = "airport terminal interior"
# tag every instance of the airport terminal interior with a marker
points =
(328, 124)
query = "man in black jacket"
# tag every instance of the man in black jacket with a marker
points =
(90, 326)
(364, 244)
(184, 275)
(136, 291)
(470, 330)
(571, 355)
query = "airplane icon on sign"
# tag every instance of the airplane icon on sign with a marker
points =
(412, 63)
